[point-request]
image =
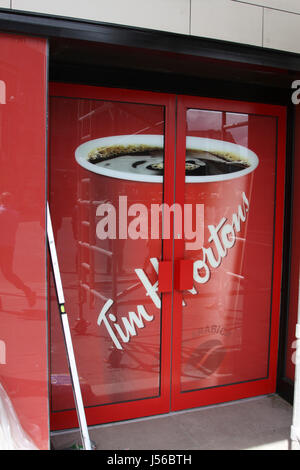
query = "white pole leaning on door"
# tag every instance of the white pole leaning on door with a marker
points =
(67, 337)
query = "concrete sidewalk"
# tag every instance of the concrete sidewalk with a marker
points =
(261, 423)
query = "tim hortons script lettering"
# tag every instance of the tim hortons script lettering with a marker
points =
(222, 239)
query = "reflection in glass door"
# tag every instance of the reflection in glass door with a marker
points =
(225, 341)
(167, 249)
(108, 163)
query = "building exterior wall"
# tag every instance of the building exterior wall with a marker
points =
(295, 255)
(23, 300)
(271, 24)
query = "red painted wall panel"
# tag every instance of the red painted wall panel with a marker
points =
(294, 279)
(23, 322)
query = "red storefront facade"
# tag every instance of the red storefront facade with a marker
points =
(23, 247)
(152, 333)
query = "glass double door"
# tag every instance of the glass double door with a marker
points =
(167, 214)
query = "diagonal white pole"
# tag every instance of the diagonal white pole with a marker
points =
(67, 337)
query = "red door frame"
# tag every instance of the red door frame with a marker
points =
(220, 394)
(171, 323)
(161, 404)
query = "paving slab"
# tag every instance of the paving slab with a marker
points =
(260, 423)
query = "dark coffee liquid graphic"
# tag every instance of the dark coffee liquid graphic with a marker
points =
(147, 159)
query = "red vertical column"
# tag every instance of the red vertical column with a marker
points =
(23, 322)
(295, 256)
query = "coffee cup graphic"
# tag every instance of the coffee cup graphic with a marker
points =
(219, 176)
(140, 158)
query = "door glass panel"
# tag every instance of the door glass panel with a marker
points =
(230, 171)
(106, 169)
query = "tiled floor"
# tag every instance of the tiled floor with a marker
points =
(261, 423)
